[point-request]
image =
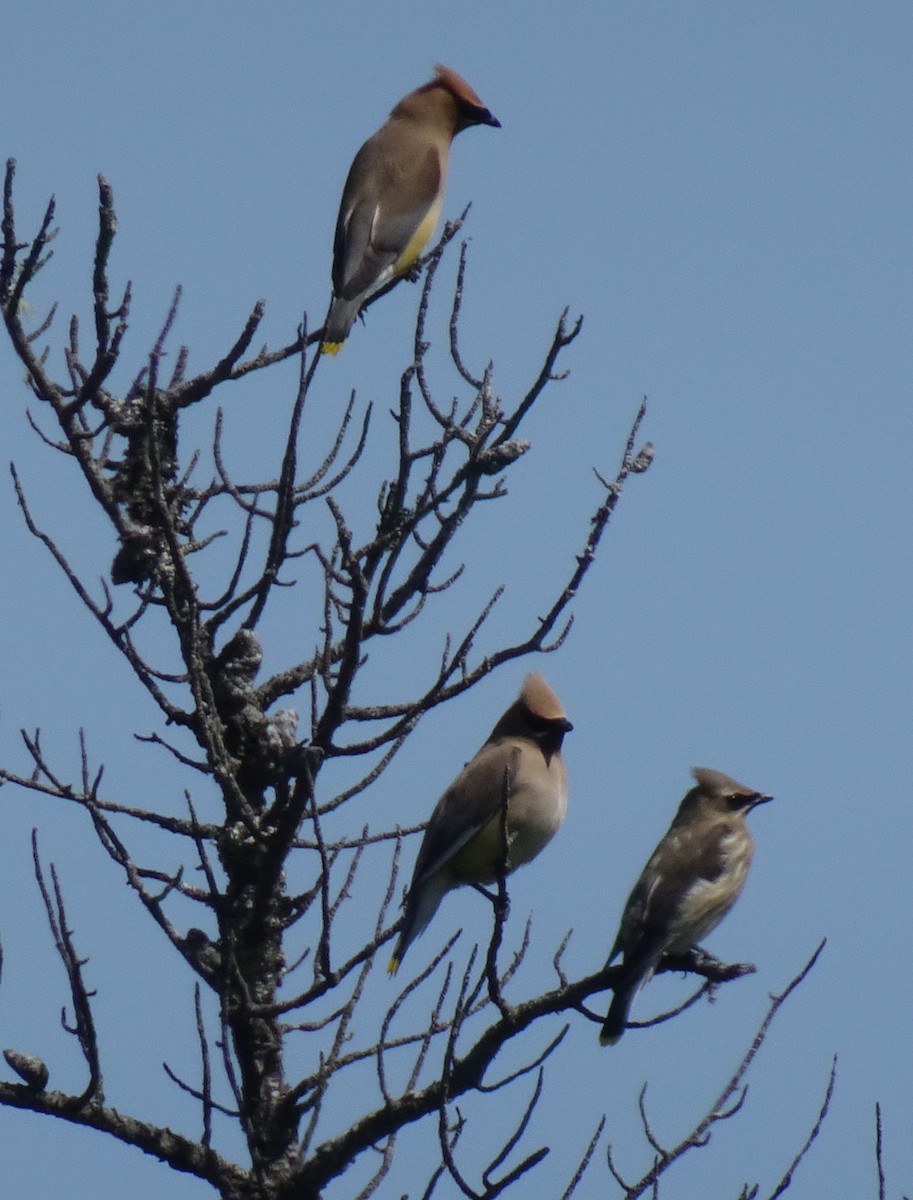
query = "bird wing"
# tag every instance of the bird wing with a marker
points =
(684, 859)
(474, 797)
(384, 204)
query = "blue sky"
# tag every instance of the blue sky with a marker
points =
(724, 192)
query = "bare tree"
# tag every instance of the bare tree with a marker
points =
(274, 879)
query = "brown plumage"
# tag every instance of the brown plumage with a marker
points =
(463, 843)
(690, 882)
(393, 194)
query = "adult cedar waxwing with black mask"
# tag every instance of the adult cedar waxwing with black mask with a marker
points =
(464, 843)
(691, 881)
(393, 194)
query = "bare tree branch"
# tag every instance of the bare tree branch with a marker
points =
(294, 877)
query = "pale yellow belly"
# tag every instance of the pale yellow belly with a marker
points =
(418, 240)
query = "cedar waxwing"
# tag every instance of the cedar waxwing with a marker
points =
(691, 881)
(393, 194)
(520, 763)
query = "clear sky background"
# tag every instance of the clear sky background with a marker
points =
(724, 191)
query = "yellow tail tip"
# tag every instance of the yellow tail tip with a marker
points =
(608, 1039)
(393, 965)
(330, 347)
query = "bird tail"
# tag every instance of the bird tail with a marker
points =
(340, 320)
(421, 905)
(616, 1021)
(633, 978)
(407, 935)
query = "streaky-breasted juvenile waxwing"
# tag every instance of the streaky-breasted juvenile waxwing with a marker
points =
(692, 879)
(521, 764)
(392, 197)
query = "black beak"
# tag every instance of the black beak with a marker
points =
(760, 799)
